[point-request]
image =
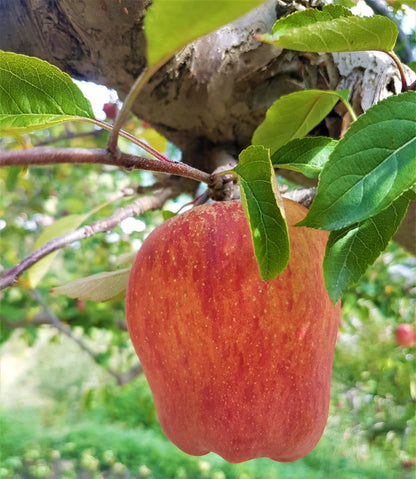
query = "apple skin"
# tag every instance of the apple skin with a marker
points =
(236, 365)
(405, 336)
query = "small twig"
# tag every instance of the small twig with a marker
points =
(405, 437)
(144, 190)
(42, 319)
(135, 208)
(56, 323)
(37, 320)
(350, 109)
(69, 136)
(49, 156)
(129, 375)
(53, 320)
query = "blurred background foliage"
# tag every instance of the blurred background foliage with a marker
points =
(63, 415)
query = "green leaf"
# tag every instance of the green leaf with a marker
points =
(294, 115)
(334, 29)
(170, 25)
(12, 177)
(370, 167)
(311, 16)
(101, 287)
(411, 193)
(412, 65)
(36, 95)
(351, 250)
(126, 258)
(259, 193)
(307, 155)
(167, 214)
(60, 227)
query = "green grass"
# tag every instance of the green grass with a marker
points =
(35, 443)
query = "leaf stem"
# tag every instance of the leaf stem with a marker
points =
(350, 109)
(399, 65)
(128, 103)
(141, 144)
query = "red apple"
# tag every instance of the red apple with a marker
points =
(405, 336)
(236, 365)
(110, 110)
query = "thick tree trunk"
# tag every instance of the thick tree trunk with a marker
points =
(213, 93)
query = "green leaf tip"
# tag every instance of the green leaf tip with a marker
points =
(170, 25)
(259, 196)
(332, 29)
(294, 115)
(370, 167)
(35, 95)
(349, 251)
(100, 287)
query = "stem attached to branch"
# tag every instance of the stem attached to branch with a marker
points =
(128, 103)
(137, 87)
(48, 156)
(141, 144)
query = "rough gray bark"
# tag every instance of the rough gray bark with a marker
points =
(212, 94)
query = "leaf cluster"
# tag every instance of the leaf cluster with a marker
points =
(366, 179)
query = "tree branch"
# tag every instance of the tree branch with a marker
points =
(37, 320)
(47, 156)
(137, 207)
(42, 319)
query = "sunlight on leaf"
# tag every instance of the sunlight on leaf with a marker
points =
(307, 155)
(370, 167)
(294, 115)
(334, 29)
(101, 287)
(35, 94)
(60, 227)
(170, 25)
(260, 199)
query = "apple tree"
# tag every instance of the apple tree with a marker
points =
(244, 91)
